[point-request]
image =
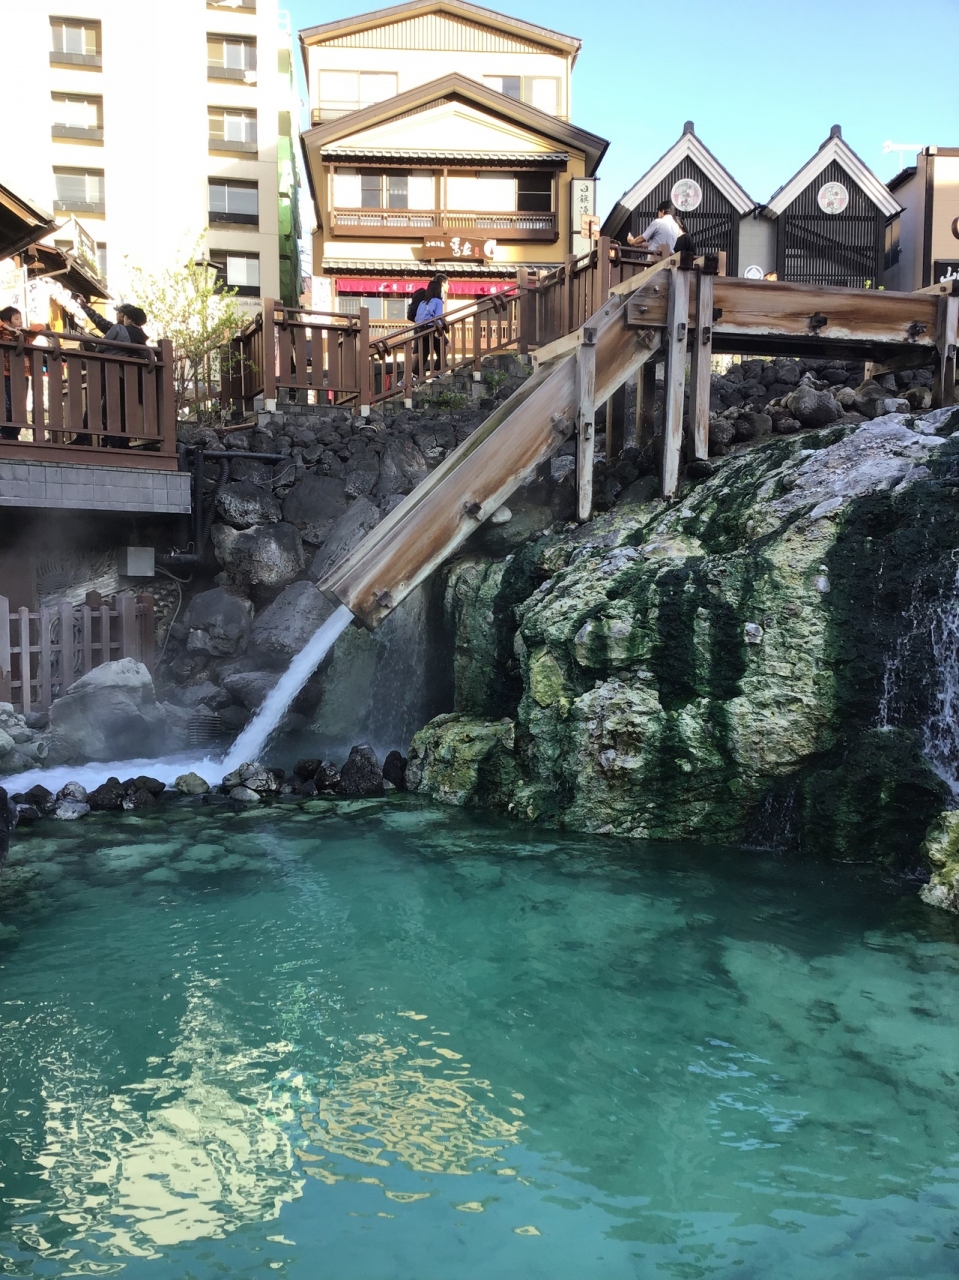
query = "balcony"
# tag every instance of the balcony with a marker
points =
(239, 75)
(411, 224)
(60, 58)
(75, 132)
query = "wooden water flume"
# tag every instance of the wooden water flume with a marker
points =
(681, 311)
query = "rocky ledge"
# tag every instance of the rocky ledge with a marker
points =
(751, 662)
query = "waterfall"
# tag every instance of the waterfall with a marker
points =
(277, 702)
(941, 734)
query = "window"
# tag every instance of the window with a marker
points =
(384, 191)
(534, 192)
(239, 271)
(232, 130)
(101, 259)
(76, 41)
(380, 308)
(236, 202)
(344, 91)
(76, 116)
(231, 58)
(79, 190)
(539, 91)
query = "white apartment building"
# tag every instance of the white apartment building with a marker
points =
(160, 128)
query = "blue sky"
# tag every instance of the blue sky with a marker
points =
(763, 80)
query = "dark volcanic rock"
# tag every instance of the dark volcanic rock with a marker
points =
(218, 623)
(394, 769)
(812, 408)
(283, 627)
(350, 529)
(41, 798)
(108, 795)
(315, 500)
(327, 776)
(361, 775)
(269, 555)
(304, 769)
(242, 504)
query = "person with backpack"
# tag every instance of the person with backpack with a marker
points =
(429, 310)
(415, 300)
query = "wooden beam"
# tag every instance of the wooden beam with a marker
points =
(700, 367)
(615, 424)
(585, 429)
(944, 382)
(646, 405)
(675, 380)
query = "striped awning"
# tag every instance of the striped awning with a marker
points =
(419, 156)
(358, 267)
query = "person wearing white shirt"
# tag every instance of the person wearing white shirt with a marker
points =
(662, 232)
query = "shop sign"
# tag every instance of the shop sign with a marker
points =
(833, 197)
(457, 248)
(944, 270)
(404, 288)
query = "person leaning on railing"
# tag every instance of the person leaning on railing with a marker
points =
(662, 233)
(128, 327)
(11, 328)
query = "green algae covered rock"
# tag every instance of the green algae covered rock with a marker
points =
(941, 848)
(685, 670)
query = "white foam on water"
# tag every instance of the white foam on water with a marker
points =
(247, 746)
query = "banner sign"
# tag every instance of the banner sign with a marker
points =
(403, 288)
(450, 248)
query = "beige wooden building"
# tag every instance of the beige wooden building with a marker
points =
(924, 241)
(440, 140)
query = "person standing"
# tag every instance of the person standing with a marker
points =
(11, 328)
(127, 328)
(429, 311)
(662, 233)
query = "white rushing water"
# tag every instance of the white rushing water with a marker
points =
(247, 746)
(941, 735)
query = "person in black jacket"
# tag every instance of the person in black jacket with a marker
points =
(128, 327)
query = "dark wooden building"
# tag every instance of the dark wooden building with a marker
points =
(710, 201)
(831, 219)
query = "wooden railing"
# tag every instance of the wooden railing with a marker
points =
(347, 359)
(406, 224)
(74, 398)
(42, 652)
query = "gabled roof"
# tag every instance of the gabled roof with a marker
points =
(455, 87)
(568, 46)
(21, 223)
(834, 148)
(692, 147)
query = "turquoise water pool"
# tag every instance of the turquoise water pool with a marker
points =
(378, 1041)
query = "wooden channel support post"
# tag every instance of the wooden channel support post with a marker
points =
(700, 364)
(677, 326)
(585, 424)
(944, 384)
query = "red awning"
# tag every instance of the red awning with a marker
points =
(403, 288)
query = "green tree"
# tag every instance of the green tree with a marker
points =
(187, 305)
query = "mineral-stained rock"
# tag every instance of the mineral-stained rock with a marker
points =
(73, 791)
(108, 714)
(941, 849)
(266, 555)
(499, 540)
(242, 504)
(260, 779)
(218, 623)
(191, 784)
(244, 794)
(108, 795)
(6, 742)
(327, 776)
(361, 775)
(283, 627)
(70, 810)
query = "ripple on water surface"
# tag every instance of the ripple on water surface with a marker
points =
(378, 1041)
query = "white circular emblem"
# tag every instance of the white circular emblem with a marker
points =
(753, 273)
(686, 194)
(833, 197)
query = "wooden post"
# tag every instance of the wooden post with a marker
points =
(645, 404)
(603, 273)
(4, 649)
(615, 424)
(45, 658)
(676, 330)
(571, 321)
(25, 664)
(67, 650)
(701, 364)
(944, 382)
(147, 630)
(126, 610)
(106, 644)
(364, 397)
(166, 400)
(269, 353)
(86, 659)
(525, 312)
(585, 427)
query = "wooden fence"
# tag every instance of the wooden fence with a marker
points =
(42, 652)
(74, 398)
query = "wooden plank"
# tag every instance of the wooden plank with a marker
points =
(25, 683)
(944, 380)
(775, 307)
(45, 658)
(35, 358)
(55, 396)
(585, 429)
(146, 630)
(675, 380)
(151, 422)
(615, 424)
(111, 378)
(106, 636)
(94, 407)
(127, 617)
(74, 415)
(67, 647)
(649, 305)
(86, 620)
(5, 672)
(700, 367)
(479, 476)
(646, 405)
(132, 408)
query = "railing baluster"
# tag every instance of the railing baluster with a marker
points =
(5, 673)
(67, 647)
(26, 691)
